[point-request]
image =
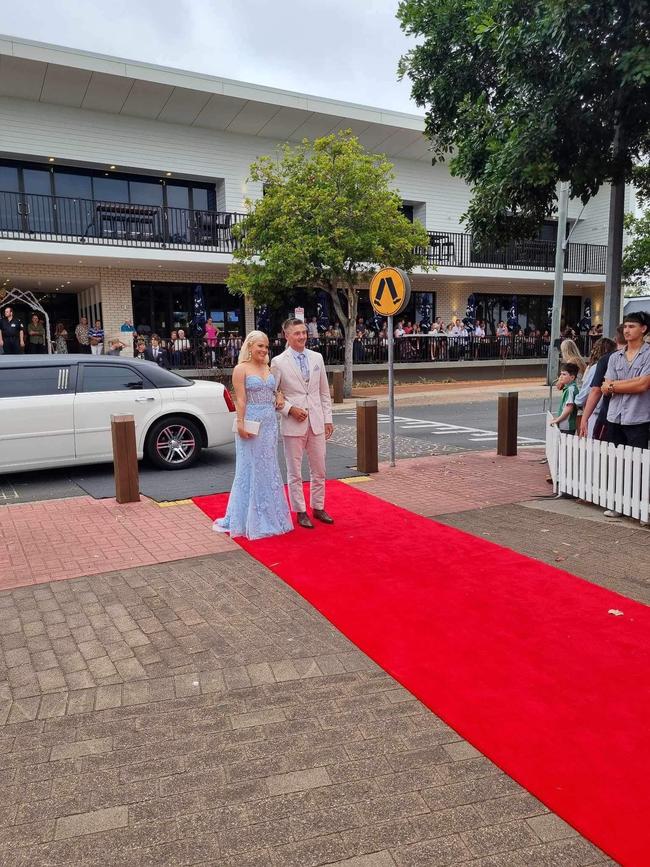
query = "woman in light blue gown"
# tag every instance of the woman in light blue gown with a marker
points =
(257, 506)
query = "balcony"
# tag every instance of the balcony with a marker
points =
(86, 221)
(460, 251)
(26, 217)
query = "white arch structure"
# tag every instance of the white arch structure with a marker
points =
(24, 296)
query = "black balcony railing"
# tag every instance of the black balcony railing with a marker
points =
(56, 218)
(197, 353)
(461, 251)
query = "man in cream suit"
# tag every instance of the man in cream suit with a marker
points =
(306, 421)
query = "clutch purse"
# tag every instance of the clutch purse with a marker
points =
(251, 427)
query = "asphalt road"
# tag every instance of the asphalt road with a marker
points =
(462, 426)
(420, 430)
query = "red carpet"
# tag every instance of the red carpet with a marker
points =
(521, 659)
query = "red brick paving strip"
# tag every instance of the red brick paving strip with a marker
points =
(80, 536)
(76, 537)
(441, 485)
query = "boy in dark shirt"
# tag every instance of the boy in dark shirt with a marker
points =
(595, 395)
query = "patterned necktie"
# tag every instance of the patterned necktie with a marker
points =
(302, 361)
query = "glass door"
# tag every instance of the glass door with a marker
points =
(36, 205)
(10, 218)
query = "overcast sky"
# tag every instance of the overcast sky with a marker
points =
(343, 49)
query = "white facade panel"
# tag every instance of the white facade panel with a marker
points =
(592, 225)
(37, 130)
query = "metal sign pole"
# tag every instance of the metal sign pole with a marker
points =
(558, 285)
(391, 389)
(389, 291)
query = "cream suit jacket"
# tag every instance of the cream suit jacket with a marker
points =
(313, 395)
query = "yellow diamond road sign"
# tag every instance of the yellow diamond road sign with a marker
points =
(390, 291)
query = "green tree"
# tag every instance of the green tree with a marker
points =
(328, 218)
(522, 94)
(636, 258)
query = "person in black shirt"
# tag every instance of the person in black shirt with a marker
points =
(12, 333)
(595, 395)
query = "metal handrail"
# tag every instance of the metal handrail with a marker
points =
(196, 353)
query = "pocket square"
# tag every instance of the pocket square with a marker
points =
(316, 368)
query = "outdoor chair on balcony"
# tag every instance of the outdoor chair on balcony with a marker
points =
(213, 229)
(442, 247)
(534, 254)
(123, 221)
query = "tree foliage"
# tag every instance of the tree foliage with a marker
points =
(523, 93)
(328, 218)
(636, 257)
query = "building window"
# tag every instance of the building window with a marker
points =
(533, 311)
(101, 186)
(319, 304)
(165, 307)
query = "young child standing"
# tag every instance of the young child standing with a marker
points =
(568, 412)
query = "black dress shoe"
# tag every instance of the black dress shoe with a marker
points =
(321, 515)
(303, 520)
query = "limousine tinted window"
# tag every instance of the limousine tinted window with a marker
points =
(110, 377)
(36, 381)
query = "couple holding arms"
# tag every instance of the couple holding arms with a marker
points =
(295, 384)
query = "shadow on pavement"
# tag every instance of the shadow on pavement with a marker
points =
(212, 474)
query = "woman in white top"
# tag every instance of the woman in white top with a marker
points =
(181, 343)
(180, 348)
(502, 336)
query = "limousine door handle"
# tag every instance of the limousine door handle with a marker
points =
(143, 399)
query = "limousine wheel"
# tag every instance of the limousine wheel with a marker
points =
(174, 443)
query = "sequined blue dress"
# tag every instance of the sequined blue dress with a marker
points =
(257, 506)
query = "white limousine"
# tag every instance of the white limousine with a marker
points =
(55, 410)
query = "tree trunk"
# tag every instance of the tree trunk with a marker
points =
(349, 324)
(349, 332)
(613, 265)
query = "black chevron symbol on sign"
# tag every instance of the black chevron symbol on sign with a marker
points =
(387, 283)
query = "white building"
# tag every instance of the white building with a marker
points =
(119, 182)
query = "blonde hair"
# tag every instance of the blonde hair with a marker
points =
(245, 351)
(570, 353)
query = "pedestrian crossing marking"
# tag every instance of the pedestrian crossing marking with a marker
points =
(440, 428)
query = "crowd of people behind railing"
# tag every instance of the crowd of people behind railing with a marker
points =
(458, 340)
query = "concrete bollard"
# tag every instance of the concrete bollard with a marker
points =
(125, 459)
(367, 457)
(337, 386)
(507, 423)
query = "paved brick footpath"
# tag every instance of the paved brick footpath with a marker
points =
(200, 712)
(456, 483)
(57, 539)
(612, 554)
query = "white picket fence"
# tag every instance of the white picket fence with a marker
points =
(614, 477)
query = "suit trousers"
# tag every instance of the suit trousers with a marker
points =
(294, 449)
